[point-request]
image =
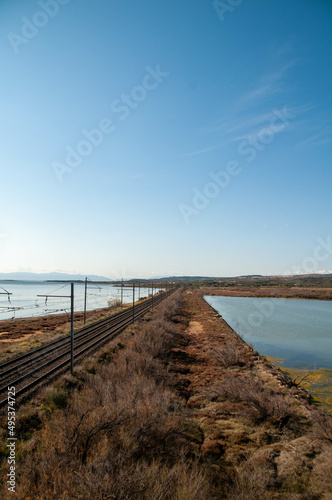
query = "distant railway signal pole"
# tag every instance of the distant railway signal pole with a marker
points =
(85, 294)
(71, 296)
(72, 329)
(134, 302)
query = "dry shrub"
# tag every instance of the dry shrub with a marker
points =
(129, 413)
(132, 480)
(260, 403)
(322, 473)
(114, 303)
(254, 477)
(112, 440)
(171, 307)
(155, 338)
(56, 397)
(294, 465)
(179, 482)
(322, 426)
(227, 356)
(27, 423)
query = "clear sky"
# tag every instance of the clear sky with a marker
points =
(147, 138)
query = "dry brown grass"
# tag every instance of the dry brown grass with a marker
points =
(227, 356)
(121, 436)
(254, 477)
(322, 429)
(257, 402)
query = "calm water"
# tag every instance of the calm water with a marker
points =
(24, 301)
(298, 331)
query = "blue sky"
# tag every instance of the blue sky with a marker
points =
(158, 138)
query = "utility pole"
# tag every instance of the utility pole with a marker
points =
(152, 294)
(72, 329)
(133, 302)
(85, 293)
(71, 322)
(122, 294)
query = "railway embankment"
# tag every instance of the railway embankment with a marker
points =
(20, 335)
(43, 364)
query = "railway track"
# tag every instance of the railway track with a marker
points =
(27, 371)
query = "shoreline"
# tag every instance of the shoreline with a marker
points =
(299, 293)
(316, 383)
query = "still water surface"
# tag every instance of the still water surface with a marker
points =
(24, 301)
(297, 331)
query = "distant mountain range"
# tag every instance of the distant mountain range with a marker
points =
(20, 276)
(25, 276)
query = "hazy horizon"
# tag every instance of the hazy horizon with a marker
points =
(144, 139)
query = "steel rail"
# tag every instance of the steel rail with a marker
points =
(120, 324)
(86, 339)
(78, 334)
(17, 363)
(98, 342)
(100, 333)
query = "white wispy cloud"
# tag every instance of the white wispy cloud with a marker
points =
(317, 133)
(268, 85)
(255, 110)
(251, 124)
(251, 121)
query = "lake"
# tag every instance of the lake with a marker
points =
(297, 331)
(24, 301)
